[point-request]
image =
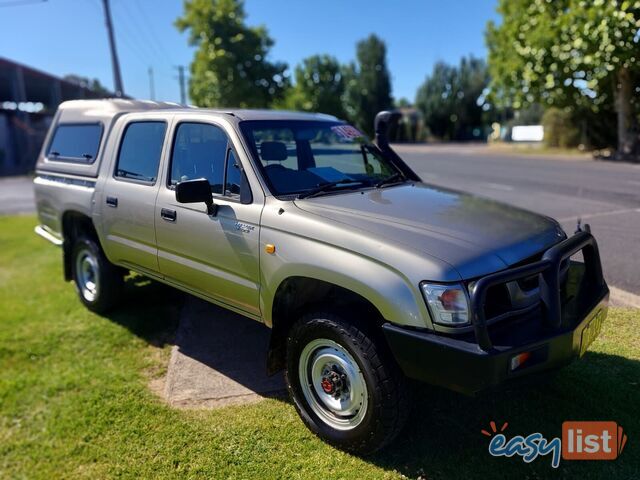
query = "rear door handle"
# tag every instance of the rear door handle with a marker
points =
(168, 215)
(112, 202)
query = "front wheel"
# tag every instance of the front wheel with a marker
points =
(343, 383)
(98, 282)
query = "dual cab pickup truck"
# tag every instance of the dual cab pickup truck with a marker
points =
(366, 275)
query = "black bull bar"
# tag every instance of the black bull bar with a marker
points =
(548, 269)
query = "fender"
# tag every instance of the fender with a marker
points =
(385, 288)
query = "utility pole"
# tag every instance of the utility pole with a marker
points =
(181, 79)
(117, 78)
(152, 87)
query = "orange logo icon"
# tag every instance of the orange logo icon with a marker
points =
(592, 440)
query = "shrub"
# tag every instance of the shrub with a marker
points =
(559, 129)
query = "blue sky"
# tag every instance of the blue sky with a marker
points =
(69, 36)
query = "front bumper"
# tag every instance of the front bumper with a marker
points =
(553, 335)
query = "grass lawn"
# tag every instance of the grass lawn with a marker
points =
(541, 150)
(75, 401)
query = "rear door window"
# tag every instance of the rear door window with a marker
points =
(140, 151)
(75, 142)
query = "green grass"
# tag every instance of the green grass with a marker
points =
(75, 401)
(541, 150)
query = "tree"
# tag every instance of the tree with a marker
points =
(452, 99)
(319, 86)
(230, 66)
(93, 85)
(368, 84)
(402, 103)
(559, 129)
(576, 55)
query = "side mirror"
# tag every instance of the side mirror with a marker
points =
(196, 191)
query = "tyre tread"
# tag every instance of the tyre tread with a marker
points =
(391, 413)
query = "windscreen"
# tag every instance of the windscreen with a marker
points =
(297, 156)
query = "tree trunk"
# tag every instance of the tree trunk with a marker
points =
(623, 90)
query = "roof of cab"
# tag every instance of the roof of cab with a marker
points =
(115, 106)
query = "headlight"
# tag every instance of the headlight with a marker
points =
(448, 304)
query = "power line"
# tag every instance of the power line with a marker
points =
(147, 41)
(132, 42)
(121, 37)
(140, 43)
(130, 32)
(133, 45)
(142, 47)
(152, 30)
(19, 3)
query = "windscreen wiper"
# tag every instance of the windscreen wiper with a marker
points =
(325, 187)
(396, 177)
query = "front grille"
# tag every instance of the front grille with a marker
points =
(554, 269)
(498, 301)
(507, 300)
(529, 283)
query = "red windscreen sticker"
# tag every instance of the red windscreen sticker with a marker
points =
(347, 131)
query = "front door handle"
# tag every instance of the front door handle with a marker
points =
(112, 201)
(168, 215)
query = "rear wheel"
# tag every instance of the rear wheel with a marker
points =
(344, 385)
(98, 282)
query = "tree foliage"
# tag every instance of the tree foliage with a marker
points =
(319, 86)
(559, 128)
(230, 67)
(452, 101)
(368, 83)
(573, 54)
(91, 84)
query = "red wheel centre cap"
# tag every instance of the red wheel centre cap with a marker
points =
(327, 386)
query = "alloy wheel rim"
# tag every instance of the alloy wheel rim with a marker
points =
(333, 384)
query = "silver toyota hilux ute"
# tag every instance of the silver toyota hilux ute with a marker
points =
(366, 275)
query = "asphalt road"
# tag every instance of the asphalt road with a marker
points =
(604, 194)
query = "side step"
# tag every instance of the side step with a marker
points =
(47, 235)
